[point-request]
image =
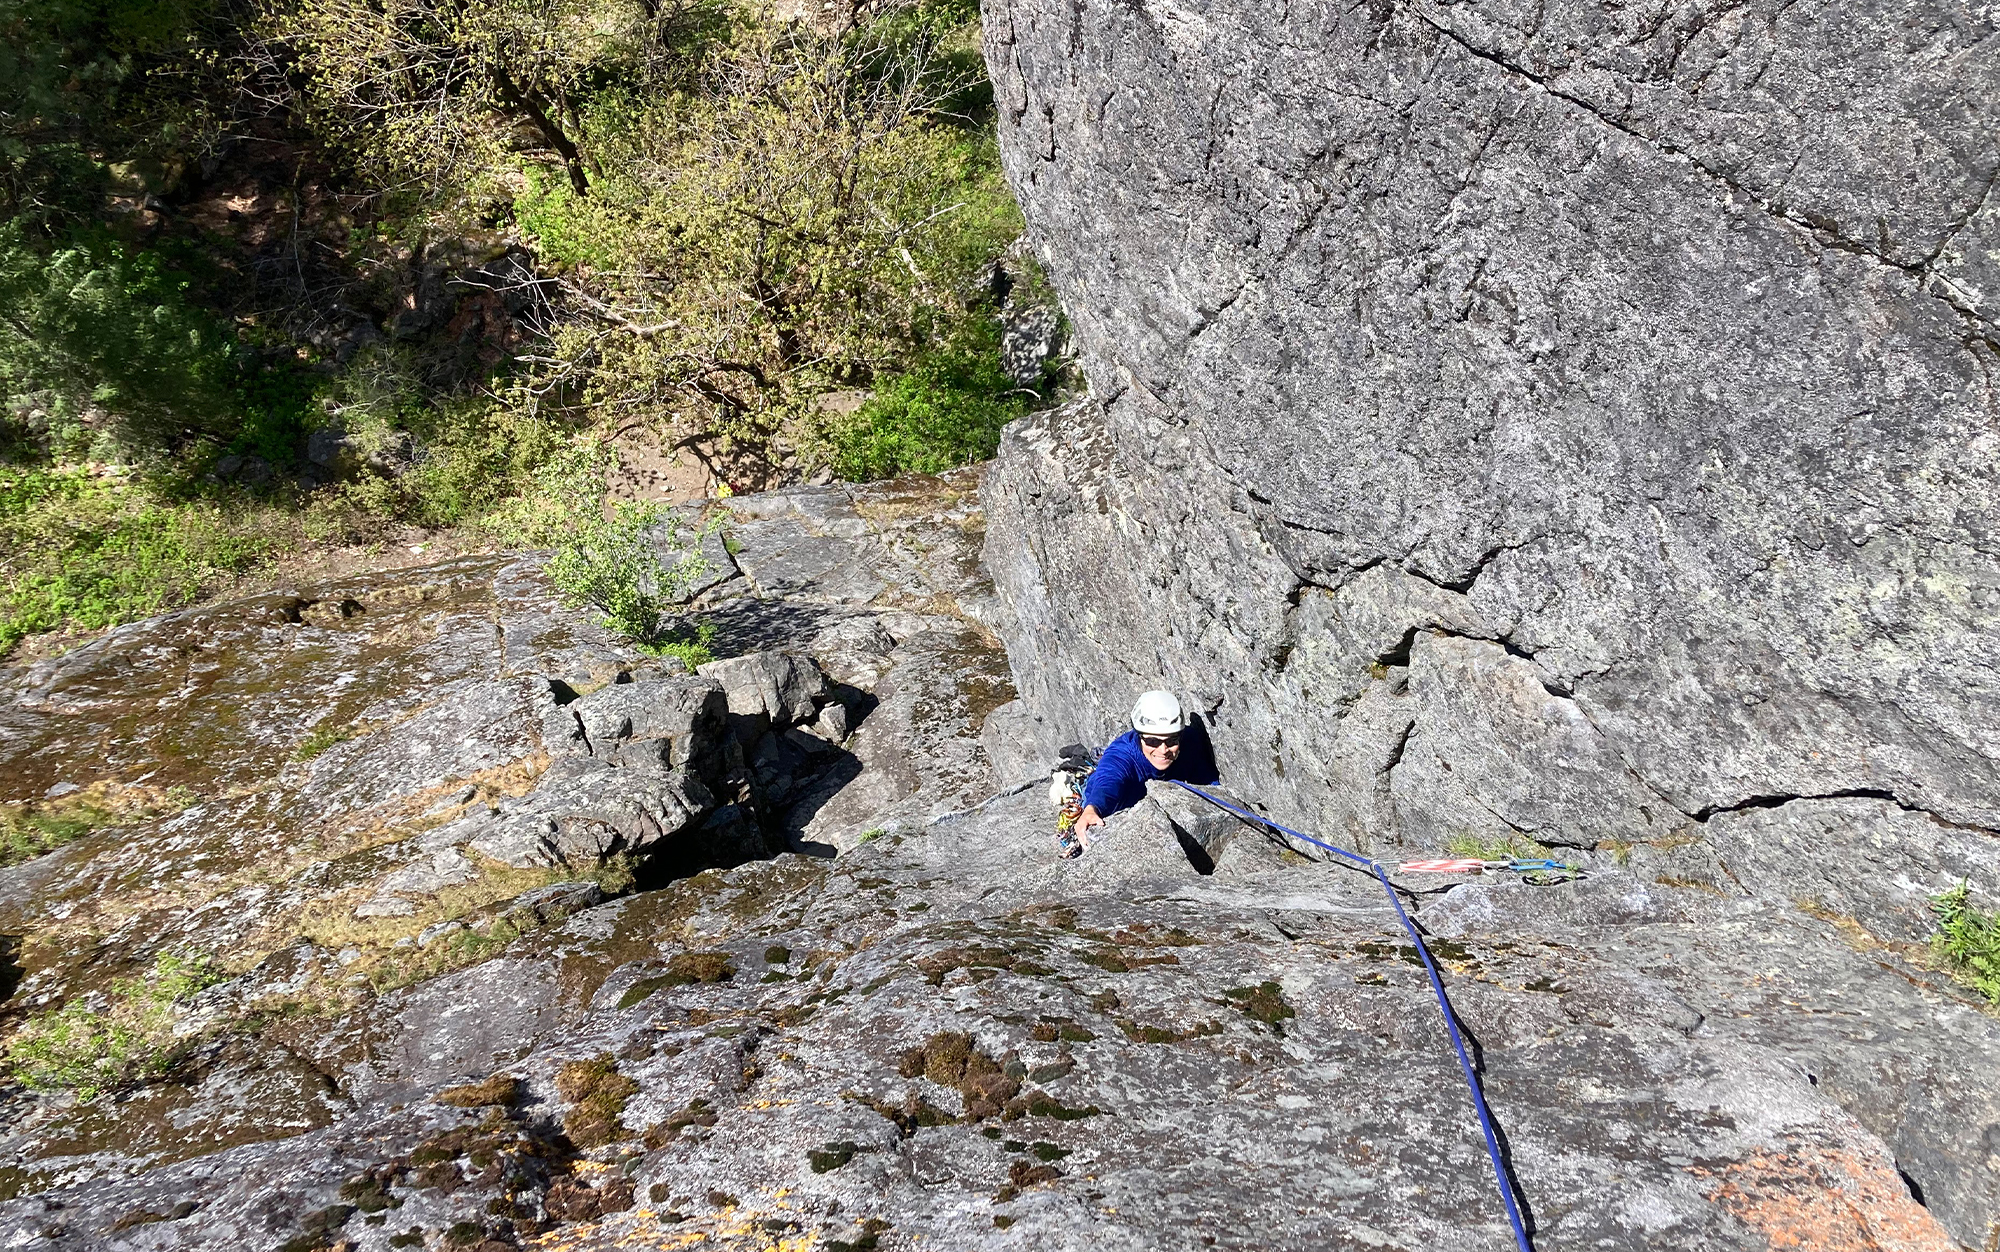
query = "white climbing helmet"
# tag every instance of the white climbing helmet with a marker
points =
(1158, 713)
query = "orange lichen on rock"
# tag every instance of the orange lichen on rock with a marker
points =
(1821, 1198)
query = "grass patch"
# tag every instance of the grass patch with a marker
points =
(89, 1051)
(1968, 941)
(331, 923)
(324, 736)
(29, 830)
(693, 644)
(89, 547)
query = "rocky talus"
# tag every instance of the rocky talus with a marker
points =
(1568, 424)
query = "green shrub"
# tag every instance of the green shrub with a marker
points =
(88, 552)
(89, 1051)
(1968, 941)
(611, 560)
(947, 411)
(693, 644)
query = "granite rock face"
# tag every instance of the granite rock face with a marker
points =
(944, 1037)
(948, 1038)
(1567, 423)
(1667, 367)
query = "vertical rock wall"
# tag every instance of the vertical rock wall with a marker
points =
(1567, 419)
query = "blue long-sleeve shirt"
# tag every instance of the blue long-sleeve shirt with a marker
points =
(1120, 779)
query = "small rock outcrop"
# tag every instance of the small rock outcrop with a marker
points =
(322, 800)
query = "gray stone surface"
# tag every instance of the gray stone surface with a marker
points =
(1557, 423)
(779, 687)
(357, 786)
(1647, 358)
(1662, 1084)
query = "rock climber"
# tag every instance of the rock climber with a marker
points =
(1164, 742)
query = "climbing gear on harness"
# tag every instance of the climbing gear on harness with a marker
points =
(1158, 713)
(1380, 871)
(1066, 793)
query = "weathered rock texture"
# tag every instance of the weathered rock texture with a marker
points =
(945, 1037)
(355, 787)
(1571, 421)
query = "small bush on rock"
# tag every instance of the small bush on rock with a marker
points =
(633, 563)
(1968, 941)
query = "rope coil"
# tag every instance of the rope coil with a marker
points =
(1375, 867)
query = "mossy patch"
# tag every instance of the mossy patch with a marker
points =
(911, 1115)
(500, 1089)
(1042, 1149)
(1264, 1003)
(867, 1239)
(369, 1191)
(983, 961)
(683, 970)
(953, 1059)
(1404, 952)
(574, 1200)
(1038, 1103)
(697, 1113)
(1124, 962)
(1141, 1032)
(596, 1093)
(831, 1156)
(1054, 1029)
(327, 735)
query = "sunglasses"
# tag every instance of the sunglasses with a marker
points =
(1161, 741)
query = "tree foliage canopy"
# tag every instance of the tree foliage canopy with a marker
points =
(226, 224)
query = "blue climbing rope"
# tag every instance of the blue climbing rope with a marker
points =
(1437, 987)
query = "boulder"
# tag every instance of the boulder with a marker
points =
(783, 687)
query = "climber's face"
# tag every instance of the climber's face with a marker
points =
(1161, 750)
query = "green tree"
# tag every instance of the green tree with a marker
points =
(93, 327)
(805, 220)
(437, 99)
